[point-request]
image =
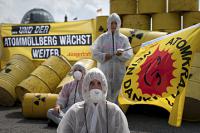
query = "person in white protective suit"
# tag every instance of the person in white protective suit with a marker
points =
(95, 114)
(112, 49)
(70, 94)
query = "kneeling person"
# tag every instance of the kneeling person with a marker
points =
(70, 94)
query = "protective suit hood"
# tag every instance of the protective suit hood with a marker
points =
(80, 66)
(111, 18)
(92, 74)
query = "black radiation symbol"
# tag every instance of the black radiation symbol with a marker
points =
(101, 29)
(39, 99)
(133, 34)
(6, 69)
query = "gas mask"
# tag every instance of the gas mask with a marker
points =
(96, 95)
(77, 75)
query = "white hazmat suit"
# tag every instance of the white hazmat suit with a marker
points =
(114, 69)
(70, 94)
(87, 117)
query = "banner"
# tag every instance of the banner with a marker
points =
(159, 72)
(39, 41)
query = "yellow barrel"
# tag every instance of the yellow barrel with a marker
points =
(87, 63)
(168, 31)
(7, 93)
(192, 102)
(15, 71)
(183, 5)
(59, 65)
(166, 21)
(12, 74)
(47, 75)
(137, 37)
(136, 22)
(31, 85)
(23, 62)
(191, 18)
(151, 6)
(68, 78)
(123, 7)
(101, 25)
(1, 46)
(195, 61)
(36, 105)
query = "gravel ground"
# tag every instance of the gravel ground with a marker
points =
(141, 120)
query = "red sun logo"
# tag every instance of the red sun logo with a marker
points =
(156, 73)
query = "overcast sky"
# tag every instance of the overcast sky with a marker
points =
(12, 11)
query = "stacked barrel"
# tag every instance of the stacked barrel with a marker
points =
(192, 102)
(160, 15)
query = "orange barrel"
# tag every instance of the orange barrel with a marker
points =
(58, 64)
(183, 5)
(192, 101)
(32, 84)
(137, 37)
(36, 105)
(151, 6)
(123, 7)
(12, 74)
(101, 25)
(136, 22)
(87, 63)
(166, 21)
(191, 18)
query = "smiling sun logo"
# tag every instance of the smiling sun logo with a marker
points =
(156, 73)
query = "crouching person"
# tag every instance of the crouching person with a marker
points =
(95, 114)
(70, 94)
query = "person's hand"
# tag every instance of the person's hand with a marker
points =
(57, 109)
(119, 52)
(108, 57)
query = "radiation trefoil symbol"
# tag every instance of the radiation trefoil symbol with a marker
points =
(39, 99)
(156, 73)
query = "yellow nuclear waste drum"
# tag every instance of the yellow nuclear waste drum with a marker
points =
(87, 63)
(58, 64)
(49, 76)
(101, 25)
(1, 46)
(136, 22)
(123, 7)
(137, 37)
(183, 5)
(23, 62)
(192, 102)
(191, 18)
(166, 21)
(68, 78)
(32, 84)
(36, 105)
(151, 6)
(12, 74)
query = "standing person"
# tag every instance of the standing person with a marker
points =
(95, 114)
(70, 94)
(112, 50)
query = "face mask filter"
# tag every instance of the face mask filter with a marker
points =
(77, 75)
(96, 95)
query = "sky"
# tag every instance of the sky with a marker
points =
(12, 11)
